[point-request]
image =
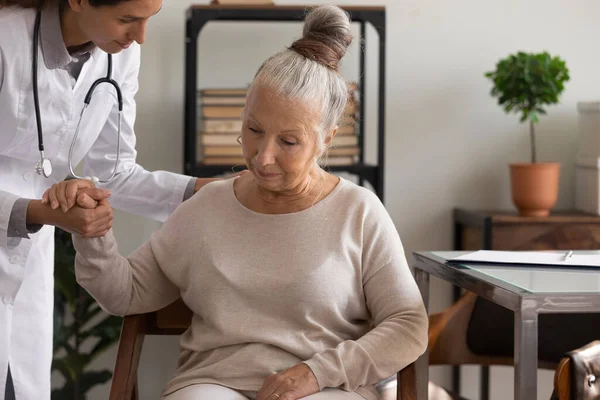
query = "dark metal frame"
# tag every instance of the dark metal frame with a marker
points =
(461, 219)
(525, 304)
(199, 16)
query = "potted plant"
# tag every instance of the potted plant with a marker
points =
(525, 83)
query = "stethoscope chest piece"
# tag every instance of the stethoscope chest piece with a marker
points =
(44, 167)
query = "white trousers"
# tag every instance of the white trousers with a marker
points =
(217, 392)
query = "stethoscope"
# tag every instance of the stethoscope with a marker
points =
(44, 166)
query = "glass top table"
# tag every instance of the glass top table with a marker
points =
(527, 290)
(534, 279)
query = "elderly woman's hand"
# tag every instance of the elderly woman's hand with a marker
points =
(293, 383)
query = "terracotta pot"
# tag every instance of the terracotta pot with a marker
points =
(534, 187)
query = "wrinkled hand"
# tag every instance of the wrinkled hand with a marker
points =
(86, 222)
(200, 182)
(67, 193)
(293, 383)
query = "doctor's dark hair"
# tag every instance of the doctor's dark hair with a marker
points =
(308, 69)
(41, 4)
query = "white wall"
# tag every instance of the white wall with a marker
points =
(447, 142)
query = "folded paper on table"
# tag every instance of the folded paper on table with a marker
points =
(530, 257)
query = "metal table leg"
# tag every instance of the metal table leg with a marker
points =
(422, 364)
(526, 348)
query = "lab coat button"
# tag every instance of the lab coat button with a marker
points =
(59, 132)
(27, 175)
(15, 259)
(6, 300)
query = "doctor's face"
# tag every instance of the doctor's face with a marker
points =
(115, 27)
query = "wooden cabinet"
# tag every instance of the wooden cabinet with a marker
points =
(497, 230)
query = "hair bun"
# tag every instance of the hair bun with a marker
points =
(326, 36)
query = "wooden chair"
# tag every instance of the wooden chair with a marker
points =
(174, 320)
(448, 338)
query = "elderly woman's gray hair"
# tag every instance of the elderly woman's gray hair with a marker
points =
(308, 70)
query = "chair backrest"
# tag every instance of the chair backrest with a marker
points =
(448, 338)
(174, 320)
(577, 376)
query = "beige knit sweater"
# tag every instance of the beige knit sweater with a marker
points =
(271, 291)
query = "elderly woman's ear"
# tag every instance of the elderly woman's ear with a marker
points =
(329, 138)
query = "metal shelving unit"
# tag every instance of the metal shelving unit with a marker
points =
(199, 15)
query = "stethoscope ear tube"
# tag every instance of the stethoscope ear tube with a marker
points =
(36, 101)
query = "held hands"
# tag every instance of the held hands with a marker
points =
(84, 209)
(293, 383)
(86, 222)
(66, 193)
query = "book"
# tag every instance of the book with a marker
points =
(223, 92)
(219, 140)
(223, 101)
(343, 151)
(241, 2)
(224, 161)
(223, 150)
(222, 111)
(339, 161)
(344, 140)
(221, 125)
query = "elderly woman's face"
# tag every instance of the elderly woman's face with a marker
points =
(278, 139)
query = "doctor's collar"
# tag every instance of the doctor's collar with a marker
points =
(53, 46)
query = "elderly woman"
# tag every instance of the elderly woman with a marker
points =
(306, 292)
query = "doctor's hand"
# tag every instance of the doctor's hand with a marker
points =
(293, 383)
(200, 182)
(68, 193)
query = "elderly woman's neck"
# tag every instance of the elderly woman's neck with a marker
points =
(307, 190)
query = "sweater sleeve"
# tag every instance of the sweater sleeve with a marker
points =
(398, 339)
(124, 285)
(398, 315)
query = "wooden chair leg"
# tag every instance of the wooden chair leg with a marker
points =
(407, 383)
(124, 382)
(135, 395)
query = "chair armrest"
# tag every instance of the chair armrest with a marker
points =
(407, 383)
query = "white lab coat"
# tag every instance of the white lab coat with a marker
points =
(26, 265)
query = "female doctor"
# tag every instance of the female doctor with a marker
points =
(54, 54)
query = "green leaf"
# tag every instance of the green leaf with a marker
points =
(64, 393)
(533, 117)
(72, 364)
